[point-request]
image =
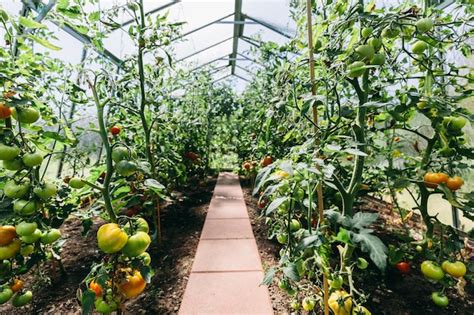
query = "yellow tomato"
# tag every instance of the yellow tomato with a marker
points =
(111, 238)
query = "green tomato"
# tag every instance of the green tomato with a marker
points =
(376, 43)
(362, 263)
(419, 47)
(309, 303)
(389, 32)
(16, 190)
(46, 191)
(356, 69)
(5, 295)
(295, 305)
(120, 153)
(126, 168)
(13, 165)
(295, 225)
(32, 159)
(299, 194)
(367, 31)
(30, 239)
(137, 244)
(439, 299)
(26, 115)
(336, 282)
(76, 183)
(51, 236)
(424, 25)
(103, 307)
(418, 248)
(146, 258)
(365, 52)
(432, 270)
(20, 300)
(8, 153)
(27, 250)
(25, 228)
(25, 207)
(378, 60)
(282, 238)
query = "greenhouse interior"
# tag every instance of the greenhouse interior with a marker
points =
(237, 157)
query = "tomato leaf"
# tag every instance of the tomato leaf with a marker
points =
(275, 204)
(371, 244)
(269, 275)
(87, 299)
(44, 42)
(291, 272)
(30, 23)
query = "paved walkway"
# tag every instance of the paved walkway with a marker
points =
(227, 271)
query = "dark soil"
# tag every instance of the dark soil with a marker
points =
(390, 294)
(182, 221)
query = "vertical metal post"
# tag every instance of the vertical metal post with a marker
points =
(319, 188)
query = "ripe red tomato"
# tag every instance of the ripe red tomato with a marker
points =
(5, 111)
(404, 267)
(115, 130)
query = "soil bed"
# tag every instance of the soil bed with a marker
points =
(182, 222)
(392, 294)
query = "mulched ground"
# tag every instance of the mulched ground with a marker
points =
(390, 294)
(182, 222)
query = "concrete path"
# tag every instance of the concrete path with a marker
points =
(227, 271)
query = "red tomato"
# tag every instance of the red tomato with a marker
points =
(115, 130)
(5, 111)
(403, 267)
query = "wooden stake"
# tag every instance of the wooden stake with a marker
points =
(319, 188)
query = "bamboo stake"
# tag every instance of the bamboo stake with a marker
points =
(319, 188)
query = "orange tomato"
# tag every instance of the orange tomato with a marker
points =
(266, 161)
(94, 286)
(7, 234)
(454, 183)
(133, 285)
(247, 165)
(17, 285)
(432, 180)
(5, 111)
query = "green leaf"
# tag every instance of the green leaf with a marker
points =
(291, 272)
(88, 298)
(363, 219)
(154, 185)
(275, 204)
(44, 42)
(269, 275)
(371, 244)
(30, 23)
(343, 236)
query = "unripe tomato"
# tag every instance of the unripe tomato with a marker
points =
(295, 225)
(26, 115)
(356, 69)
(282, 238)
(13, 165)
(308, 303)
(419, 47)
(362, 263)
(5, 111)
(295, 305)
(126, 168)
(10, 250)
(120, 153)
(16, 190)
(51, 236)
(418, 248)
(365, 52)
(25, 207)
(376, 43)
(32, 159)
(96, 288)
(133, 285)
(5, 295)
(17, 285)
(137, 244)
(440, 299)
(104, 307)
(336, 282)
(389, 32)
(142, 225)
(76, 183)
(111, 238)
(45, 191)
(424, 25)
(366, 32)
(454, 183)
(32, 238)
(378, 60)
(456, 269)
(432, 270)
(27, 250)
(7, 234)
(404, 267)
(115, 130)
(20, 300)
(360, 310)
(340, 302)
(24, 228)
(8, 153)
(146, 258)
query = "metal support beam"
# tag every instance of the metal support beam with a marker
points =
(250, 59)
(238, 31)
(224, 77)
(204, 49)
(251, 41)
(164, 6)
(209, 62)
(202, 27)
(270, 26)
(245, 69)
(218, 69)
